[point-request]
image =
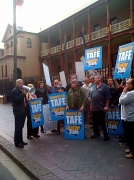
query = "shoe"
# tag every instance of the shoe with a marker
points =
(42, 131)
(24, 143)
(29, 137)
(127, 151)
(58, 133)
(54, 130)
(106, 138)
(130, 156)
(122, 140)
(36, 135)
(20, 145)
(94, 136)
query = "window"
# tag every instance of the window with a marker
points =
(29, 43)
(5, 70)
(113, 20)
(2, 71)
(96, 27)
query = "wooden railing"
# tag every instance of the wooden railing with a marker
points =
(115, 28)
(99, 34)
(121, 26)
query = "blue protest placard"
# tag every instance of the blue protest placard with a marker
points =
(93, 58)
(74, 125)
(113, 120)
(124, 61)
(57, 103)
(36, 112)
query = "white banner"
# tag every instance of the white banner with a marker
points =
(63, 79)
(80, 71)
(46, 74)
(48, 123)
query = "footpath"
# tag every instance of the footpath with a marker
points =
(51, 157)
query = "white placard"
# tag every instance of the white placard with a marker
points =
(48, 123)
(80, 71)
(63, 79)
(46, 74)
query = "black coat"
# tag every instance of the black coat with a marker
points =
(17, 98)
(43, 95)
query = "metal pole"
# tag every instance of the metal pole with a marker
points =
(15, 42)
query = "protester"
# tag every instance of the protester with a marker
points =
(115, 93)
(91, 85)
(72, 76)
(99, 104)
(18, 97)
(60, 122)
(55, 90)
(31, 131)
(86, 108)
(42, 92)
(76, 97)
(127, 114)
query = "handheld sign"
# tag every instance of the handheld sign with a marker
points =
(57, 102)
(114, 122)
(93, 58)
(124, 61)
(36, 112)
(48, 124)
(74, 124)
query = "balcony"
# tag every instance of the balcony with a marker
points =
(122, 26)
(44, 52)
(99, 34)
(115, 28)
(55, 49)
(79, 40)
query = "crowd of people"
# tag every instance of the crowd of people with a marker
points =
(92, 96)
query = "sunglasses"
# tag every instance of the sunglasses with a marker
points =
(55, 83)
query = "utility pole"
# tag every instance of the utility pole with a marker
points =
(14, 42)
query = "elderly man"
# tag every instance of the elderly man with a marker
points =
(99, 104)
(19, 110)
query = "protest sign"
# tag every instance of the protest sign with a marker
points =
(36, 112)
(74, 125)
(113, 120)
(93, 58)
(48, 124)
(57, 103)
(46, 74)
(124, 61)
(80, 71)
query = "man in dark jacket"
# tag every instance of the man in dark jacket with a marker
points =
(19, 110)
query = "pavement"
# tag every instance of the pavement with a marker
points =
(51, 157)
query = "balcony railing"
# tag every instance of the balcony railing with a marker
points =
(55, 49)
(118, 27)
(69, 45)
(115, 28)
(79, 40)
(45, 52)
(99, 34)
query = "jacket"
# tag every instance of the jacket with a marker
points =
(127, 99)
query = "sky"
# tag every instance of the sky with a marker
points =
(37, 15)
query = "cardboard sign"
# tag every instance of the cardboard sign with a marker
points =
(57, 103)
(36, 112)
(74, 125)
(124, 61)
(93, 58)
(113, 120)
